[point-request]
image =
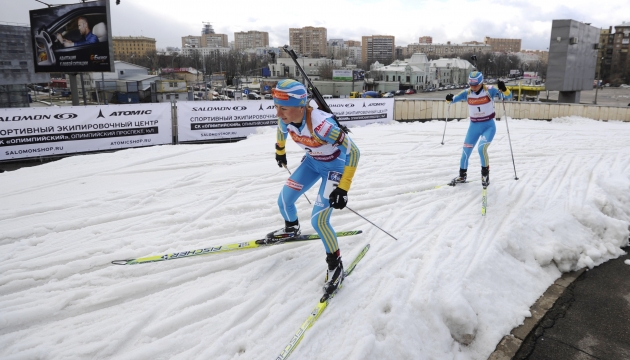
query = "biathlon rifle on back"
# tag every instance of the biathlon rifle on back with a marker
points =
(317, 97)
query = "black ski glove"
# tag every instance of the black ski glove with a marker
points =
(338, 198)
(281, 160)
(449, 97)
(501, 85)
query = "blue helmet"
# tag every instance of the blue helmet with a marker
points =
(290, 93)
(475, 78)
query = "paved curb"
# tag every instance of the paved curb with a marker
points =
(510, 344)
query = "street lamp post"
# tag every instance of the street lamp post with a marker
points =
(599, 74)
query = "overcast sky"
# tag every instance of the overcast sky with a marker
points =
(445, 20)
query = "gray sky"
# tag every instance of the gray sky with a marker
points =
(445, 20)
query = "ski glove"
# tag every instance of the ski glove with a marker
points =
(281, 160)
(338, 198)
(449, 97)
(501, 86)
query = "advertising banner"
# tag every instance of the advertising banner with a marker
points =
(72, 38)
(364, 111)
(35, 132)
(342, 75)
(213, 120)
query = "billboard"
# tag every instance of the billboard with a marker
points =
(72, 38)
(45, 131)
(342, 75)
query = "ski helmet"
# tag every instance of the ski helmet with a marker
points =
(289, 93)
(475, 78)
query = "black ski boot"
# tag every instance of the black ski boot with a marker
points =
(291, 229)
(334, 275)
(485, 176)
(460, 179)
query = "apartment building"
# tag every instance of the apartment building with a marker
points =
(425, 40)
(309, 40)
(503, 45)
(250, 39)
(130, 45)
(381, 48)
(620, 62)
(205, 40)
(447, 49)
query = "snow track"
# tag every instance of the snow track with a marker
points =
(450, 288)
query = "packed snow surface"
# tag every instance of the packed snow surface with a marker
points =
(451, 286)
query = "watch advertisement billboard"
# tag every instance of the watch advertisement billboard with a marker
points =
(72, 38)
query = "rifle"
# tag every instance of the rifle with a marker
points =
(317, 96)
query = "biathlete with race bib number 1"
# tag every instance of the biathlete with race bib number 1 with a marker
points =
(482, 126)
(330, 156)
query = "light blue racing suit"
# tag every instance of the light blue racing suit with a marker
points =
(482, 126)
(330, 156)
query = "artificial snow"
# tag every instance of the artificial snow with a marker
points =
(451, 287)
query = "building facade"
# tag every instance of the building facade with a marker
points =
(620, 62)
(381, 48)
(448, 49)
(600, 70)
(352, 43)
(16, 66)
(130, 45)
(503, 45)
(250, 39)
(308, 41)
(205, 40)
(425, 40)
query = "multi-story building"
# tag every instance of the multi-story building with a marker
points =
(620, 62)
(204, 51)
(503, 45)
(205, 40)
(448, 49)
(354, 54)
(336, 49)
(16, 66)
(308, 41)
(381, 48)
(425, 40)
(352, 43)
(130, 45)
(601, 53)
(250, 39)
(409, 73)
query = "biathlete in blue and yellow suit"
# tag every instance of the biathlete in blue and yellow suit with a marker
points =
(482, 126)
(330, 156)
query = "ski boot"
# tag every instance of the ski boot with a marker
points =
(334, 275)
(291, 229)
(460, 179)
(485, 176)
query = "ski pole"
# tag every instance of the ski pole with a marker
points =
(361, 216)
(446, 121)
(510, 140)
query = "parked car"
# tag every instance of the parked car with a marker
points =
(441, 88)
(399, 92)
(388, 95)
(410, 91)
(327, 96)
(253, 96)
(268, 97)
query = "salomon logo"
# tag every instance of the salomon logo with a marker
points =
(239, 108)
(65, 116)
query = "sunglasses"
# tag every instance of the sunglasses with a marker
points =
(281, 95)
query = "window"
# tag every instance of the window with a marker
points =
(23, 63)
(168, 97)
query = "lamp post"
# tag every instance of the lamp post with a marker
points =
(599, 74)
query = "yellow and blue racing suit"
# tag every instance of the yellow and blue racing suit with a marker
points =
(331, 156)
(482, 125)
